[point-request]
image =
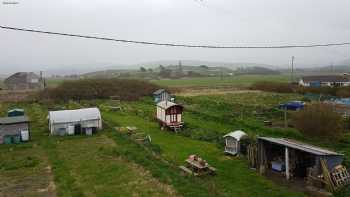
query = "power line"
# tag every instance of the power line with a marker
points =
(174, 44)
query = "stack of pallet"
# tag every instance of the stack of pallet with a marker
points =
(337, 178)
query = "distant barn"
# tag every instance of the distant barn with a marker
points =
(169, 114)
(23, 81)
(70, 122)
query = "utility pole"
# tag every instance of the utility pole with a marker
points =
(285, 118)
(292, 71)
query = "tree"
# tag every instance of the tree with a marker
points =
(319, 120)
(142, 69)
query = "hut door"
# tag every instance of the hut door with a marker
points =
(173, 115)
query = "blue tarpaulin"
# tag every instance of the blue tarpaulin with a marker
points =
(293, 105)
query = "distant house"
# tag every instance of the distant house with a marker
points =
(70, 122)
(325, 80)
(233, 142)
(161, 95)
(14, 130)
(23, 81)
(169, 114)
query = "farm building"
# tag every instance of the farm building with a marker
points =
(161, 95)
(294, 159)
(23, 81)
(13, 130)
(70, 122)
(169, 114)
(325, 80)
(233, 143)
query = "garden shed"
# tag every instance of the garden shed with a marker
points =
(70, 122)
(233, 142)
(14, 130)
(15, 112)
(293, 158)
(169, 114)
(161, 95)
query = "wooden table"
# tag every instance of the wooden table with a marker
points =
(198, 168)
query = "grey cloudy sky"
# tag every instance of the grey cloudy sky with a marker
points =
(212, 22)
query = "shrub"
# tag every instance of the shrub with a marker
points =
(319, 120)
(85, 89)
(273, 87)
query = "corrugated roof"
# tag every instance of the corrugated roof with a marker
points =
(158, 91)
(166, 104)
(14, 120)
(74, 115)
(325, 78)
(299, 146)
(238, 135)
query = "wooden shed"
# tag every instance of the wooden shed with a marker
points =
(13, 130)
(233, 142)
(293, 158)
(169, 114)
(161, 95)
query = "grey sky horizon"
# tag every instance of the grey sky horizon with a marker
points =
(212, 22)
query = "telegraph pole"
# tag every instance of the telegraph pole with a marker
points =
(292, 71)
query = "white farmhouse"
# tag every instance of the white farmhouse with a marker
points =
(69, 122)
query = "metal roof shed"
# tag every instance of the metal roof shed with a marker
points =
(298, 156)
(60, 122)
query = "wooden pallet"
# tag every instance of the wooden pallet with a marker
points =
(340, 176)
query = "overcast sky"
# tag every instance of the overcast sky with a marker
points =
(212, 22)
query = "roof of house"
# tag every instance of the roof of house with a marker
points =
(300, 146)
(16, 109)
(158, 91)
(14, 120)
(325, 78)
(74, 115)
(238, 135)
(167, 104)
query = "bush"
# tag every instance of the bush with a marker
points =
(273, 87)
(319, 120)
(85, 89)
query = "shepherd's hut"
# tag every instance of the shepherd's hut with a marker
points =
(80, 121)
(169, 114)
(233, 141)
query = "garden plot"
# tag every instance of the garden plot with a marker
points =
(96, 171)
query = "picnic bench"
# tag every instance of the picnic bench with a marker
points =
(197, 167)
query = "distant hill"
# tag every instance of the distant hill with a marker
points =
(230, 65)
(256, 70)
(324, 70)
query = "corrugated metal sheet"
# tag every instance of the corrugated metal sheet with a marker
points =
(14, 120)
(66, 116)
(299, 146)
(166, 104)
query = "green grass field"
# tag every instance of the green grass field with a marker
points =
(112, 164)
(241, 80)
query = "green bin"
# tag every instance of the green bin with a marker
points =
(7, 140)
(16, 139)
